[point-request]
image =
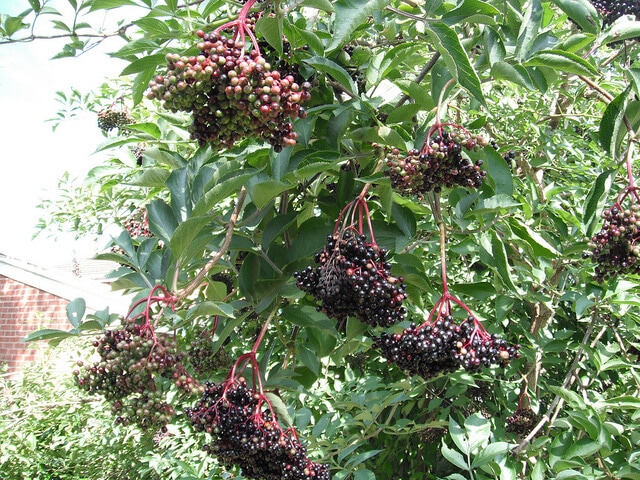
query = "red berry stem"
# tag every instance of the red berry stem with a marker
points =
(241, 28)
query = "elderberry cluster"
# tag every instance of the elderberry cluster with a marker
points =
(246, 434)
(613, 249)
(354, 279)
(231, 95)
(439, 164)
(131, 359)
(110, 118)
(611, 10)
(429, 350)
(204, 359)
(522, 421)
(137, 225)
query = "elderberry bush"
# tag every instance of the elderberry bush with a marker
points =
(439, 164)
(232, 95)
(613, 249)
(429, 350)
(131, 362)
(246, 434)
(354, 278)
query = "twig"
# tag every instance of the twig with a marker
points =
(215, 257)
(557, 403)
(423, 73)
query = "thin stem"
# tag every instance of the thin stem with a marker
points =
(441, 100)
(263, 330)
(215, 258)
(423, 73)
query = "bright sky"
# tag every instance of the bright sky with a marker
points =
(34, 157)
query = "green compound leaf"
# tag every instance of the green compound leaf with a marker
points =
(449, 46)
(350, 15)
(612, 121)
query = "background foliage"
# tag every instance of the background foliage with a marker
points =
(543, 79)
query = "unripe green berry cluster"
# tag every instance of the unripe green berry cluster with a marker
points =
(438, 164)
(231, 95)
(204, 359)
(110, 118)
(132, 361)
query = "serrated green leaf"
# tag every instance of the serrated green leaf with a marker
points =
(582, 12)
(529, 29)
(490, 453)
(279, 408)
(162, 221)
(471, 11)
(449, 46)
(595, 199)
(223, 185)
(633, 74)
(208, 307)
(146, 127)
(349, 16)
(271, 30)
(572, 398)
(622, 29)
(512, 73)
(453, 457)
(501, 261)
(324, 5)
(338, 73)
(560, 60)
(612, 121)
(109, 4)
(48, 334)
(151, 177)
(186, 232)
(144, 63)
(75, 311)
(538, 244)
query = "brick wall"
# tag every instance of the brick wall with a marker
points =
(24, 309)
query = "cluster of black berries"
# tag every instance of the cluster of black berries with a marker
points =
(246, 434)
(613, 249)
(439, 164)
(110, 118)
(429, 350)
(522, 422)
(231, 95)
(204, 359)
(138, 152)
(131, 359)
(509, 157)
(611, 10)
(354, 278)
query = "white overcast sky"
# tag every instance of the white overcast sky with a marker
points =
(34, 157)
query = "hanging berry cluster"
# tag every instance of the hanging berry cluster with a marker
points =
(133, 360)
(246, 431)
(353, 277)
(203, 358)
(137, 225)
(439, 163)
(613, 249)
(611, 10)
(114, 117)
(441, 345)
(232, 94)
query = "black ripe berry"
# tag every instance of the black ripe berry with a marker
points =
(353, 278)
(246, 433)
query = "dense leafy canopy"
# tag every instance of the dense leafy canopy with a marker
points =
(551, 90)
